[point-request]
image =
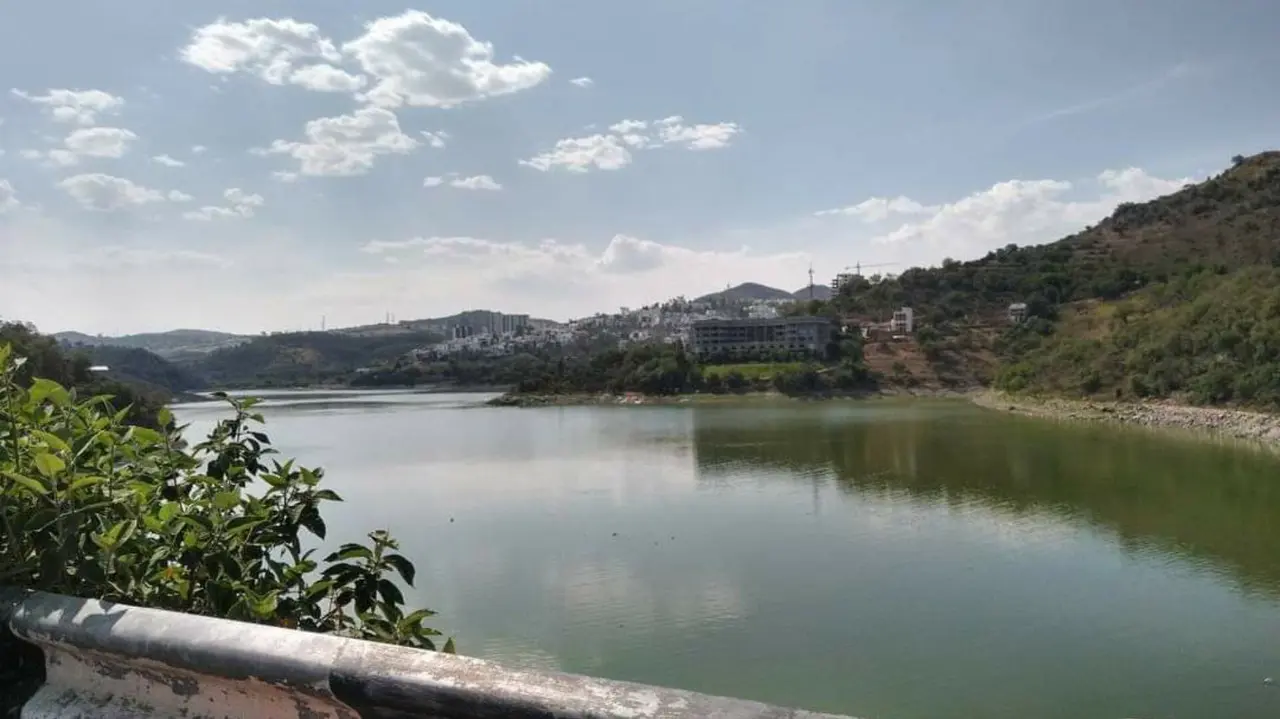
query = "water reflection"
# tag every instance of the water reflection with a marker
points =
(1214, 505)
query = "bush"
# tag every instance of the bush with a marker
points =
(93, 507)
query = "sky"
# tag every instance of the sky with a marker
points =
(269, 165)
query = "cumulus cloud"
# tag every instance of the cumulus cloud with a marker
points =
(106, 193)
(673, 131)
(582, 82)
(612, 150)
(109, 142)
(425, 61)
(279, 51)
(1023, 212)
(326, 78)
(240, 205)
(581, 154)
(475, 182)
(347, 144)
(74, 106)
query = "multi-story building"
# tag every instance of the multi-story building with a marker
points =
(903, 322)
(841, 280)
(503, 324)
(786, 334)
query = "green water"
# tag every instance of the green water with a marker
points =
(879, 559)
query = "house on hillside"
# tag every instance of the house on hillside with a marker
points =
(1018, 312)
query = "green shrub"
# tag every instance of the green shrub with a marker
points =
(91, 506)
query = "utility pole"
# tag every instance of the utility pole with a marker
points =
(811, 282)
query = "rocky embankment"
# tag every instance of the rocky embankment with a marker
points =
(1233, 423)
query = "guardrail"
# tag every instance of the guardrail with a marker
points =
(113, 660)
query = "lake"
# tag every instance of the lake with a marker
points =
(882, 559)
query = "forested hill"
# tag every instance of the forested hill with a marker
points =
(305, 358)
(1230, 221)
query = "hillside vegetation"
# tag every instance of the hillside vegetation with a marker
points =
(1174, 298)
(305, 358)
(1208, 337)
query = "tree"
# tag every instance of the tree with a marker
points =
(92, 507)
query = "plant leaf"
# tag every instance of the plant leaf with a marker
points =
(48, 464)
(27, 483)
(403, 566)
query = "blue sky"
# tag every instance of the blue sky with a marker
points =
(255, 165)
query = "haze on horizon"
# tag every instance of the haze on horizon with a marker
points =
(247, 166)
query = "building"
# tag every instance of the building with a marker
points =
(502, 324)
(841, 280)
(784, 334)
(903, 322)
(1018, 312)
(463, 331)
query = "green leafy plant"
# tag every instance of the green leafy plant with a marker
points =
(91, 506)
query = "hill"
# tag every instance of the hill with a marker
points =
(170, 345)
(746, 292)
(46, 358)
(1176, 298)
(140, 367)
(305, 358)
(1231, 221)
(820, 292)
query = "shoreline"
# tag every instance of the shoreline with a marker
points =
(1203, 422)
(581, 399)
(1200, 422)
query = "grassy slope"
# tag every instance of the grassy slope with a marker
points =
(1208, 338)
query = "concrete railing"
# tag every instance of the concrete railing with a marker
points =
(112, 660)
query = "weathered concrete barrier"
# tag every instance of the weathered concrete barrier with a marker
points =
(112, 660)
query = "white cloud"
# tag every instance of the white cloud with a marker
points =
(582, 82)
(106, 193)
(179, 196)
(74, 106)
(283, 176)
(168, 161)
(1023, 212)
(673, 131)
(580, 154)
(347, 144)
(111, 142)
(279, 51)
(198, 149)
(878, 209)
(476, 182)
(99, 142)
(8, 196)
(424, 61)
(612, 150)
(326, 78)
(240, 205)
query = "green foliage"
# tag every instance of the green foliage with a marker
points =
(91, 506)
(306, 358)
(43, 357)
(1202, 337)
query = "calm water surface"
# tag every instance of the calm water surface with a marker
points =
(879, 559)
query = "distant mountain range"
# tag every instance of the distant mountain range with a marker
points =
(756, 292)
(174, 344)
